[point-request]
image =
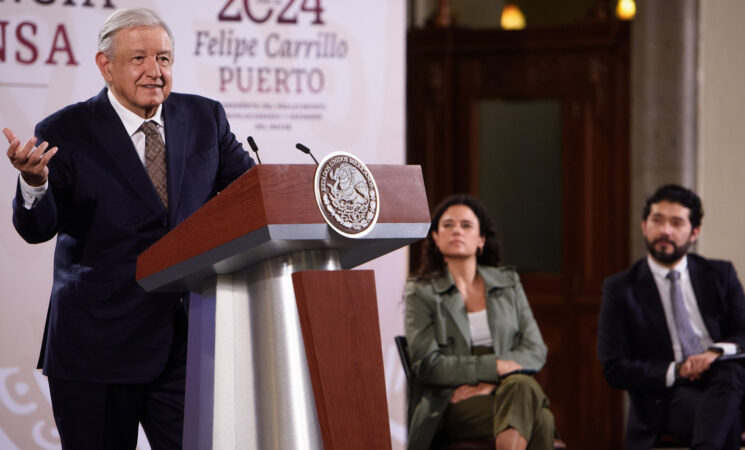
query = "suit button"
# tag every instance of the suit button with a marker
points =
(658, 402)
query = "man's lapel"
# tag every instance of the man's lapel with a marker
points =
(705, 293)
(648, 300)
(177, 128)
(117, 143)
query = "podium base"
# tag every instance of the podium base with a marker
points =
(247, 382)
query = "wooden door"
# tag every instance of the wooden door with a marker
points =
(577, 77)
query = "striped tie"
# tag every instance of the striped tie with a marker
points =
(689, 341)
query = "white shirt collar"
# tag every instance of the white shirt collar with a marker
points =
(132, 121)
(660, 271)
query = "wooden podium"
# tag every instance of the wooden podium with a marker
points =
(284, 343)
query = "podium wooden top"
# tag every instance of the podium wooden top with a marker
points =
(271, 210)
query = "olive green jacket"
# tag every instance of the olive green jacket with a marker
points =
(439, 339)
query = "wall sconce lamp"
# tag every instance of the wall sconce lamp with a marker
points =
(625, 9)
(512, 17)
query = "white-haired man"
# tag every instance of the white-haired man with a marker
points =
(124, 167)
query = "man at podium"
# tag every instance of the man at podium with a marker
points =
(110, 177)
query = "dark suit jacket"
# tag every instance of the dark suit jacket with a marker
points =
(634, 344)
(101, 325)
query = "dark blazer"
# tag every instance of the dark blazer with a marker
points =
(101, 325)
(634, 344)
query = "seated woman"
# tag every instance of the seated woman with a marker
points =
(469, 326)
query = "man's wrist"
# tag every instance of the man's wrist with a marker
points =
(726, 348)
(34, 181)
(679, 378)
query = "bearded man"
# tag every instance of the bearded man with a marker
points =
(668, 329)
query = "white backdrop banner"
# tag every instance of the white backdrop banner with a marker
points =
(326, 73)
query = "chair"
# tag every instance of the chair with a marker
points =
(403, 352)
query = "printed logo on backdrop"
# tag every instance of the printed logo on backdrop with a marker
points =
(347, 195)
(272, 60)
(25, 403)
(35, 42)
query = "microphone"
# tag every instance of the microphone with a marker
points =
(305, 150)
(254, 148)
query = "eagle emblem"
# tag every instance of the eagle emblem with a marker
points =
(346, 194)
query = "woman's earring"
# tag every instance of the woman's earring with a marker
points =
(480, 251)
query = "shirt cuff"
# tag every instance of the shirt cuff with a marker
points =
(727, 348)
(32, 194)
(670, 377)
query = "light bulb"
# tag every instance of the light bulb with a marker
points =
(512, 18)
(626, 9)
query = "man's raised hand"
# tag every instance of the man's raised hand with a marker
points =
(31, 162)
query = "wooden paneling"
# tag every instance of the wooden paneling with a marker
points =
(339, 317)
(586, 68)
(276, 194)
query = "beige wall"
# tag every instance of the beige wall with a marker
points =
(721, 156)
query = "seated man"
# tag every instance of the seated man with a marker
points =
(665, 322)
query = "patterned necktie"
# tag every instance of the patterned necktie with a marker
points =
(155, 160)
(689, 342)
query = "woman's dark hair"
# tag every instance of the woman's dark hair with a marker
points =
(674, 193)
(432, 263)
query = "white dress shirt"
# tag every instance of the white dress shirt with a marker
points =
(131, 121)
